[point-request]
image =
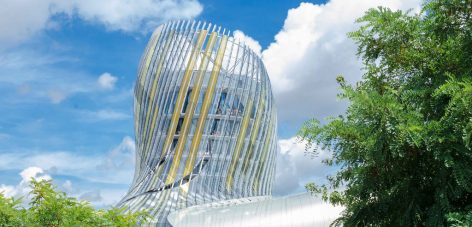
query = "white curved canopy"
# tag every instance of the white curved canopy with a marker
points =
(294, 210)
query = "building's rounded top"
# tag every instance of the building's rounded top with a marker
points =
(192, 25)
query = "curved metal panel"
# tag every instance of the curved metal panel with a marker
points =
(296, 211)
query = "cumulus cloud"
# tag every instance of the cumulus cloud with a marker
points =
(100, 179)
(121, 157)
(296, 167)
(94, 196)
(22, 189)
(91, 196)
(100, 195)
(107, 81)
(138, 14)
(250, 42)
(307, 54)
(31, 17)
(311, 50)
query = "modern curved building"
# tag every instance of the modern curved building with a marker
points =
(205, 122)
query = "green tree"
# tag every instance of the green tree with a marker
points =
(404, 144)
(11, 213)
(49, 207)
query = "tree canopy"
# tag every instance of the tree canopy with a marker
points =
(404, 144)
(49, 207)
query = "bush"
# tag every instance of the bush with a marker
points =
(49, 207)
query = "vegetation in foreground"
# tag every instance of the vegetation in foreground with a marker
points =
(49, 207)
(404, 146)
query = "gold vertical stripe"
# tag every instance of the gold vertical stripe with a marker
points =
(140, 88)
(264, 154)
(197, 136)
(148, 58)
(191, 109)
(143, 72)
(239, 143)
(254, 133)
(153, 93)
(145, 144)
(181, 96)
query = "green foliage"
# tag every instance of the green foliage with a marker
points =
(11, 214)
(404, 145)
(49, 207)
(457, 219)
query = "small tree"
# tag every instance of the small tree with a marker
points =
(404, 145)
(49, 207)
(11, 214)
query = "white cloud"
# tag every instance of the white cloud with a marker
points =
(103, 115)
(250, 42)
(311, 50)
(91, 196)
(64, 162)
(21, 19)
(100, 179)
(121, 157)
(34, 77)
(116, 166)
(67, 186)
(111, 115)
(92, 193)
(308, 53)
(22, 189)
(111, 196)
(138, 14)
(107, 81)
(296, 167)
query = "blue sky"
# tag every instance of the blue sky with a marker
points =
(67, 69)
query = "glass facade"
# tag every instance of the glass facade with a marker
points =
(205, 122)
